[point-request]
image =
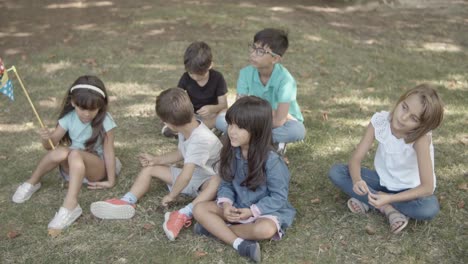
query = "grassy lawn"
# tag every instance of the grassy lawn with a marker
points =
(350, 59)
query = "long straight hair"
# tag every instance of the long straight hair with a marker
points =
(89, 100)
(433, 110)
(254, 115)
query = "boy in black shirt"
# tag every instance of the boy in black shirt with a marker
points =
(206, 87)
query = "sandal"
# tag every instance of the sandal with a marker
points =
(394, 216)
(354, 203)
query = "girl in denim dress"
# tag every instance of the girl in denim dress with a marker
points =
(252, 201)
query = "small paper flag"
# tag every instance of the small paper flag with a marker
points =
(6, 86)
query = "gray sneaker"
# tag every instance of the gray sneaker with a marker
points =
(24, 192)
(250, 249)
(201, 231)
(167, 132)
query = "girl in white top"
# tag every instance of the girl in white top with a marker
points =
(83, 148)
(403, 182)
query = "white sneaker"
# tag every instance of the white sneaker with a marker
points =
(24, 192)
(64, 217)
(281, 148)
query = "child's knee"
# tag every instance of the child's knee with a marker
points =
(199, 209)
(337, 172)
(75, 159)
(59, 154)
(265, 231)
(428, 212)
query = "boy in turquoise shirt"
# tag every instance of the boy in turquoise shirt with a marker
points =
(268, 79)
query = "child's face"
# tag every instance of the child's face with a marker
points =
(85, 115)
(262, 56)
(407, 115)
(200, 78)
(239, 137)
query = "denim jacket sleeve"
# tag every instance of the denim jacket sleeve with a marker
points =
(277, 177)
(226, 191)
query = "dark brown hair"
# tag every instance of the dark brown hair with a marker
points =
(254, 115)
(198, 58)
(433, 110)
(173, 106)
(89, 100)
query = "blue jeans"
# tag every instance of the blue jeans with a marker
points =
(291, 131)
(424, 208)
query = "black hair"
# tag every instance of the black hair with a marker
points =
(275, 39)
(254, 115)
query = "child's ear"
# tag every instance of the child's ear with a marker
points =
(276, 59)
(72, 103)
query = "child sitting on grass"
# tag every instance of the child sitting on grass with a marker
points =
(205, 86)
(198, 148)
(403, 182)
(252, 201)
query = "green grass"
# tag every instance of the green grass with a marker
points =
(350, 59)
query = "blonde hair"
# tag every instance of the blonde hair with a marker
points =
(433, 110)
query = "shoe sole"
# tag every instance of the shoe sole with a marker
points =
(104, 210)
(168, 232)
(257, 257)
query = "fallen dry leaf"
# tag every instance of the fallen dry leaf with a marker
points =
(464, 139)
(324, 248)
(315, 201)
(370, 230)
(91, 62)
(200, 253)
(54, 232)
(13, 234)
(2, 157)
(148, 226)
(463, 186)
(325, 116)
(461, 204)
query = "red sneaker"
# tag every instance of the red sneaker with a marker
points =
(173, 223)
(113, 209)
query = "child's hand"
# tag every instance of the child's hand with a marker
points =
(146, 160)
(360, 187)
(167, 199)
(244, 213)
(44, 133)
(231, 214)
(205, 111)
(100, 185)
(379, 199)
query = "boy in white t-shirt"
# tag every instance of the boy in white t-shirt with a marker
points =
(199, 149)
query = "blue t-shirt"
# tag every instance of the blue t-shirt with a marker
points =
(281, 88)
(80, 132)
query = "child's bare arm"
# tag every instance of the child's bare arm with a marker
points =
(182, 181)
(165, 159)
(426, 188)
(55, 136)
(109, 161)
(280, 115)
(213, 109)
(359, 186)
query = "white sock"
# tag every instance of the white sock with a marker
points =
(187, 210)
(237, 242)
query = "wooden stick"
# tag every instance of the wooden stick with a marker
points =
(13, 68)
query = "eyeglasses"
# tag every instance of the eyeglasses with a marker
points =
(260, 51)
